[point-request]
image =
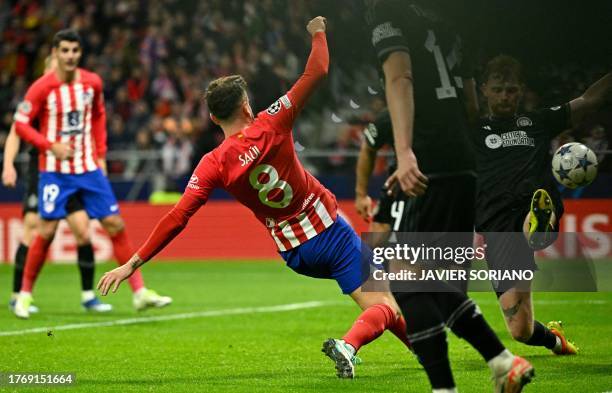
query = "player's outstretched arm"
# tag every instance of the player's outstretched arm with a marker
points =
(11, 148)
(592, 99)
(166, 229)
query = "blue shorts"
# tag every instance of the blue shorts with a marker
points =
(335, 254)
(93, 188)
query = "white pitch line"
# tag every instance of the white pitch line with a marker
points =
(172, 317)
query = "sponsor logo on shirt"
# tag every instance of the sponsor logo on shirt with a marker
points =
(509, 139)
(371, 133)
(114, 208)
(384, 31)
(193, 182)
(524, 122)
(307, 200)
(285, 101)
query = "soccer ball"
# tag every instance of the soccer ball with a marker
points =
(574, 165)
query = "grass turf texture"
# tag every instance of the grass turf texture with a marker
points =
(268, 352)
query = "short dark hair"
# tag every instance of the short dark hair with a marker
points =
(70, 35)
(503, 67)
(224, 95)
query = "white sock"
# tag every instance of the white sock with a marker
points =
(87, 295)
(558, 345)
(445, 390)
(25, 293)
(140, 291)
(350, 348)
(501, 363)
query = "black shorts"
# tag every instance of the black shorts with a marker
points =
(507, 247)
(30, 198)
(446, 206)
(382, 211)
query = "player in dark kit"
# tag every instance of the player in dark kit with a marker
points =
(429, 124)
(386, 215)
(518, 202)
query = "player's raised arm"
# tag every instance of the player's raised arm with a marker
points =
(205, 178)
(287, 108)
(11, 148)
(592, 99)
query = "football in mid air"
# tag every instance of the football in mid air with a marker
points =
(574, 165)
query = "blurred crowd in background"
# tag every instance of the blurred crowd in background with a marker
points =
(156, 58)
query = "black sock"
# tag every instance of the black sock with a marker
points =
(425, 329)
(468, 323)
(20, 258)
(433, 355)
(542, 336)
(86, 266)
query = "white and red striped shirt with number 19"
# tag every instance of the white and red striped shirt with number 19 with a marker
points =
(71, 113)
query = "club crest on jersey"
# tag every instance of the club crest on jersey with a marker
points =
(249, 156)
(523, 122)
(493, 141)
(270, 222)
(25, 107)
(87, 97)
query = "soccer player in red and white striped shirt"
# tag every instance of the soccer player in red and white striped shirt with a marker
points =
(68, 106)
(258, 165)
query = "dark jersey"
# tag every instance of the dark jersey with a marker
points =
(380, 132)
(513, 160)
(440, 139)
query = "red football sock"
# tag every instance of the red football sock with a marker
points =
(370, 325)
(34, 262)
(123, 252)
(399, 330)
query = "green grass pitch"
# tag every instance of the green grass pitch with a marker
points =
(251, 348)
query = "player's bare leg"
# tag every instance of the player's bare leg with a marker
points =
(143, 298)
(380, 313)
(30, 226)
(78, 222)
(34, 262)
(517, 307)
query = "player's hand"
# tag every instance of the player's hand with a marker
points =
(410, 179)
(111, 280)
(317, 24)
(363, 204)
(9, 176)
(62, 151)
(102, 165)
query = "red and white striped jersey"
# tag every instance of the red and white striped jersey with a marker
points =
(260, 168)
(71, 113)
